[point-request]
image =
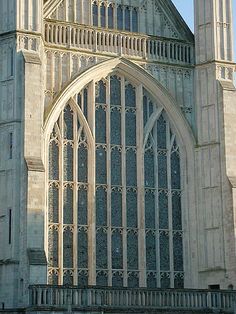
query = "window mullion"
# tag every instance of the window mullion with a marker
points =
(61, 194)
(75, 201)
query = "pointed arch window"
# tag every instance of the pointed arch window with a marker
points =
(103, 15)
(120, 17)
(95, 13)
(110, 16)
(136, 173)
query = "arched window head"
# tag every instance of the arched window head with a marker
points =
(103, 15)
(127, 167)
(95, 14)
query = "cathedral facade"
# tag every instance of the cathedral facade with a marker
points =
(117, 159)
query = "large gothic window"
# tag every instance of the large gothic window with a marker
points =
(133, 201)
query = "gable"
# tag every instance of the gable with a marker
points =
(155, 17)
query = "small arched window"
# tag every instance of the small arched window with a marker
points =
(95, 14)
(127, 19)
(110, 16)
(120, 17)
(103, 15)
(135, 20)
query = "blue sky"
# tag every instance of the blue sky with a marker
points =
(185, 7)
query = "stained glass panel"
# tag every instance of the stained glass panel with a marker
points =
(53, 206)
(135, 20)
(150, 211)
(117, 250)
(132, 250)
(82, 248)
(53, 247)
(101, 206)
(164, 251)
(100, 125)
(67, 248)
(53, 278)
(145, 112)
(101, 249)
(67, 278)
(131, 168)
(179, 281)
(115, 91)
(151, 281)
(95, 14)
(102, 279)
(68, 162)
(82, 163)
(131, 207)
(115, 126)
(127, 19)
(53, 161)
(101, 166)
(103, 15)
(115, 166)
(116, 208)
(117, 279)
(83, 278)
(82, 206)
(68, 205)
(86, 103)
(151, 251)
(130, 129)
(165, 280)
(68, 123)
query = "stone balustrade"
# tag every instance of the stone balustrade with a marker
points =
(133, 45)
(121, 298)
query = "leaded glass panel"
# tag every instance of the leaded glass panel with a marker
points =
(145, 110)
(161, 133)
(135, 20)
(53, 205)
(178, 251)
(101, 206)
(68, 123)
(68, 278)
(101, 248)
(102, 279)
(68, 205)
(53, 278)
(101, 165)
(131, 168)
(130, 128)
(117, 249)
(163, 210)
(53, 161)
(67, 248)
(101, 92)
(162, 170)
(115, 126)
(100, 124)
(82, 248)
(68, 162)
(116, 208)
(115, 91)
(164, 251)
(83, 278)
(176, 211)
(151, 250)
(86, 103)
(82, 163)
(132, 250)
(131, 208)
(151, 281)
(149, 168)
(130, 95)
(53, 247)
(133, 280)
(117, 279)
(115, 166)
(150, 211)
(179, 281)
(165, 280)
(82, 206)
(175, 171)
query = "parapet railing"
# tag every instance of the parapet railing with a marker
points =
(121, 298)
(79, 36)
